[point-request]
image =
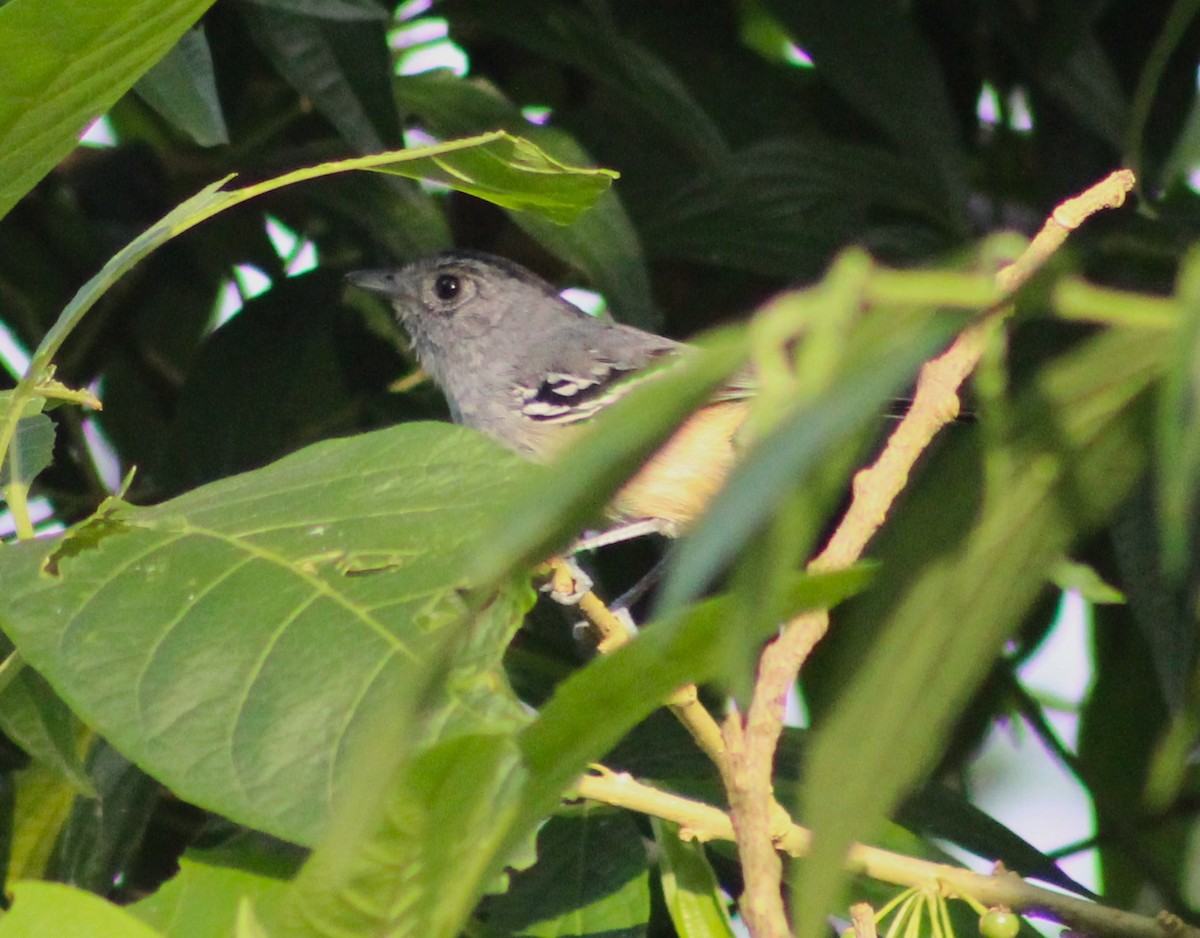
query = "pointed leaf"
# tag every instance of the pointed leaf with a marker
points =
(415, 862)
(37, 720)
(564, 33)
(754, 209)
(690, 887)
(182, 88)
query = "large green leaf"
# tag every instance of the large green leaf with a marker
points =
(65, 64)
(235, 640)
(40, 909)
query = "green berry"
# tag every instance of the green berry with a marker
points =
(999, 923)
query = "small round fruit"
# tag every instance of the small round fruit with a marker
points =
(999, 923)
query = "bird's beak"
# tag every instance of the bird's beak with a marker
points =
(376, 281)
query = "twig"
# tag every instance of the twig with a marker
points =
(862, 916)
(874, 489)
(684, 703)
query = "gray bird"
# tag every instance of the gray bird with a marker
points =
(526, 367)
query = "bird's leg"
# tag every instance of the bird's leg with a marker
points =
(568, 583)
(625, 531)
(650, 579)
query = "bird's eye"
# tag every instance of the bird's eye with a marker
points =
(447, 287)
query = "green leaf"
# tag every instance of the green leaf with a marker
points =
(1087, 84)
(1178, 436)
(591, 878)
(1160, 605)
(1086, 581)
(413, 860)
(102, 836)
(183, 89)
(1126, 757)
(942, 812)
(65, 64)
(1175, 31)
(256, 357)
(43, 805)
(690, 888)
(515, 174)
(1186, 152)
(946, 608)
(40, 909)
(37, 720)
(234, 640)
(32, 450)
(201, 901)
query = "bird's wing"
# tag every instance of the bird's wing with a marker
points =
(589, 372)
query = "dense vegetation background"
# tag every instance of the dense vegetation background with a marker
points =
(754, 141)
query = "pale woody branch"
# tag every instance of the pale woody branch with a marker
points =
(703, 822)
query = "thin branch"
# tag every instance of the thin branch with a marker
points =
(703, 822)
